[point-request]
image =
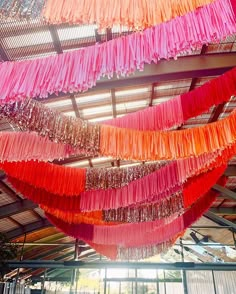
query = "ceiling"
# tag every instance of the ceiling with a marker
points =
(22, 220)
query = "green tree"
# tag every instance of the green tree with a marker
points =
(7, 252)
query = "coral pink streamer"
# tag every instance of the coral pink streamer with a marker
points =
(79, 70)
(18, 146)
(158, 185)
(160, 117)
(176, 111)
(142, 233)
(64, 180)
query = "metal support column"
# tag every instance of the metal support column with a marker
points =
(234, 238)
(105, 282)
(158, 286)
(214, 282)
(136, 282)
(74, 271)
(21, 258)
(43, 282)
(183, 271)
(164, 275)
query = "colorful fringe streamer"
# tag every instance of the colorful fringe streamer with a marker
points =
(135, 14)
(89, 140)
(17, 146)
(51, 177)
(142, 234)
(209, 139)
(30, 115)
(164, 208)
(63, 180)
(33, 116)
(164, 145)
(174, 112)
(191, 191)
(79, 70)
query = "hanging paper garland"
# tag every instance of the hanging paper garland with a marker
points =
(30, 115)
(79, 70)
(135, 14)
(162, 208)
(17, 146)
(174, 112)
(138, 236)
(190, 192)
(163, 145)
(34, 116)
(63, 180)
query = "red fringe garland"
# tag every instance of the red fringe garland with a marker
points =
(141, 234)
(70, 210)
(125, 252)
(43, 197)
(110, 251)
(176, 111)
(37, 174)
(212, 93)
(53, 178)
(199, 185)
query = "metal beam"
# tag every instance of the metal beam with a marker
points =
(3, 54)
(55, 39)
(184, 67)
(230, 171)
(220, 220)
(226, 192)
(8, 190)
(194, 80)
(75, 106)
(28, 229)
(224, 210)
(106, 264)
(16, 207)
(216, 112)
(113, 103)
(98, 37)
(152, 95)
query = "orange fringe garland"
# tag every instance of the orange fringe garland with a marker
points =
(135, 14)
(167, 145)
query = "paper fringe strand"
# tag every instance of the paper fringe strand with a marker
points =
(135, 14)
(80, 69)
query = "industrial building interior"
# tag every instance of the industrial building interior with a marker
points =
(50, 261)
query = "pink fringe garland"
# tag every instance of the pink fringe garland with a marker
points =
(18, 146)
(69, 181)
(137, 235)
(160, 117)
(156, 186)
(176, 111)
(79, 70)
